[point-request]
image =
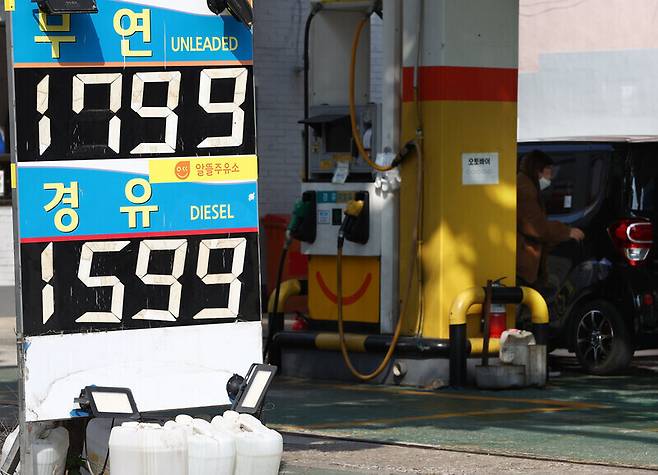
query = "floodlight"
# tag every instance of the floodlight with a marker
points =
(58, 7)
(254, 389)
(240, 9)
(108, 402)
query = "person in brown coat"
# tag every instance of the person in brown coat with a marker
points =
(535, 234)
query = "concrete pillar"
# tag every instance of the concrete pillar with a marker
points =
(467, 94)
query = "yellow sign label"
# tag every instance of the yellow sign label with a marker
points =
(13, 176)
(10, 5)
(203, 170)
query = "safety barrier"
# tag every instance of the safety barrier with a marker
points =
(499, 295)
(289, 288)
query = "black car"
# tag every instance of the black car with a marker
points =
(602, 292)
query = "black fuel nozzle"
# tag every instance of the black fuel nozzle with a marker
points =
(404, 152)
(299, 212)
(303, 221)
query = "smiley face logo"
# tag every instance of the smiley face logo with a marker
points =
(182, 170)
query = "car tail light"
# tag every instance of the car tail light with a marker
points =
(647, 300)
(633, 238)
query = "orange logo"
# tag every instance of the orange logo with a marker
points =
(183, 170)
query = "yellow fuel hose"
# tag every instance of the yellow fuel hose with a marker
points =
(405, 302)
(355, 130)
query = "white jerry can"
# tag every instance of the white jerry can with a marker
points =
(210, 450)
(258, 449)
(49, 450)
(514, 346)
(97, 445)
(148, 449)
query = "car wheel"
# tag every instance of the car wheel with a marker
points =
(601, 338)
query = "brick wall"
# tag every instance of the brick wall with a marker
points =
(279, 47)
(278, 59)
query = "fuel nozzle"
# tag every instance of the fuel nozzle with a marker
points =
(297, 218)
(354, 208)
(303, 222)
(352, 226)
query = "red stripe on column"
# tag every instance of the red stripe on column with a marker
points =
(454, 83)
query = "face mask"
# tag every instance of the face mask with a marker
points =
(544, 183)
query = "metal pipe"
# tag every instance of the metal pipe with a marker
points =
(536, 304)
(289, 288)
(463, 302)
(539, 314)
(391, 116)
(347, 7)
(307, 65)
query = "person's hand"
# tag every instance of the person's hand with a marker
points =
(576, 234)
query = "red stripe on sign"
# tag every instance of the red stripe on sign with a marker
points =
(103, 237)
(454, 83)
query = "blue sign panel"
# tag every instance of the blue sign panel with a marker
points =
(125, 32)
(69, 202)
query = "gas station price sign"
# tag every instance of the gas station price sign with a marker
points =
(136, 203)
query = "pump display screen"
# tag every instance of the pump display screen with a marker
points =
(135, 174)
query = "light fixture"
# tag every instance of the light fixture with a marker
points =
(58, 7)
(240, 9)
(253, 389)
(108, 402)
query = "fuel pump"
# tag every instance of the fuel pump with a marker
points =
(344, 156)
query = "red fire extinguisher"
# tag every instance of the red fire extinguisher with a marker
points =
(497, 317)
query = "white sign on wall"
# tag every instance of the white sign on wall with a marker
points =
(480, 168)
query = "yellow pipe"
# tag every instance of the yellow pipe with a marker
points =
(537, 305)
(463, 302)
(477, 344)
(331, 341)
(475, 295)
(356, 134)
(289, 288)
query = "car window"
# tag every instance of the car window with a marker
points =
(578, 179)
(643, 172)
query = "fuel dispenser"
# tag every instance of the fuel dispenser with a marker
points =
(388, 267)
(336, 173)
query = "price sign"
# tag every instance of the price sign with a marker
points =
(136, 203)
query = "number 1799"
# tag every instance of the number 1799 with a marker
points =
(82, 83)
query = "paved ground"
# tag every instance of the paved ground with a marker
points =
(318, 456)
(578, 418)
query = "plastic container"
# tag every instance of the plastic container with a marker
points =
(6, 446)
(97, 444)
(211, 450)
(148, 449)
(258, 449)
(514, 346)
(49, 450)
